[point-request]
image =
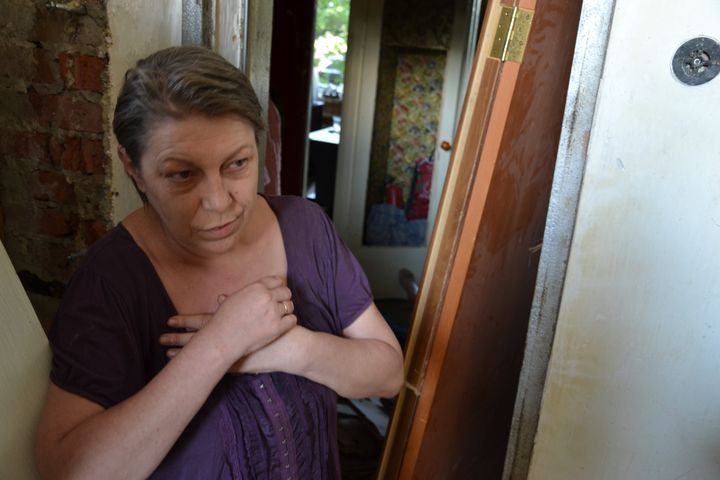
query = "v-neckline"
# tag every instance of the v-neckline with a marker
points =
(156, 275)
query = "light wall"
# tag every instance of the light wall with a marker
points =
(633, 388)
(24, 371)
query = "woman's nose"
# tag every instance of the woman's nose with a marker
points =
(216, 197)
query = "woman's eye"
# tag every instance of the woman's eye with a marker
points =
(238, 164)
(179, 176)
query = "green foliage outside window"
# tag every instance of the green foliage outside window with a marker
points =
(331, 29)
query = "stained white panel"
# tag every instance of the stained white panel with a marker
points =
(633, 386)
(136, 28)
(24, 370)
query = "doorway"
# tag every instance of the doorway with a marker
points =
(395, 148)
(427, 49)
(404, 83)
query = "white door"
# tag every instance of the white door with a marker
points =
(632, 388)
(382, 263)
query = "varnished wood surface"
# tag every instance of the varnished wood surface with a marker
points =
(463, 370)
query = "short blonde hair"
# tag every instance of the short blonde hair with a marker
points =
(178, 82)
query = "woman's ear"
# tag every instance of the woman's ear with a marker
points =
(130, 169)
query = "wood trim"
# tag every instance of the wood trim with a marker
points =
(444, 245)
(461, 262)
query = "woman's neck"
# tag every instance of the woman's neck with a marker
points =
(194, 282)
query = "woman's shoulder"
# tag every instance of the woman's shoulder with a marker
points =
(115, 245)
(292, 203)
(296, 211)
(114, 257)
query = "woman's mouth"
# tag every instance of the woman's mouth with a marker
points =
(220, 231)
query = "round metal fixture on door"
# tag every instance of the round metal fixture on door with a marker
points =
(445, 145)
(697, 61)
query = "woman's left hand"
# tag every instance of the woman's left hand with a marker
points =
(272, 357)
(177, 340)
(366, 361)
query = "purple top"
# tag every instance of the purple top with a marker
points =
(266, 426)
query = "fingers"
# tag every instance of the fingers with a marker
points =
(277, 288)
(286, 307)
(175, 339)
(272, 282)
(190, 322)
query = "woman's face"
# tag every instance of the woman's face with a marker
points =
(200, 175)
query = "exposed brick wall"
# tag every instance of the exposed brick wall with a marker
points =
(54, 194)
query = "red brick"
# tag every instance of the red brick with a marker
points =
(54, 222)
(93, 156)
(46, 148)
(54, 26)
(16, 18)
(83, 155)
(92, 231)
(83, 72)
(91, 30)
(69, 153)
(54, 187)
(15, 108)
(57, 26)
(38, 146)
(49, 148)
(70, 113)
(31, 145)
(18, 64)
(14, 144)
(45, 67)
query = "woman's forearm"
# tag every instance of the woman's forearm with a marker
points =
(366, 361)
(130, 439)
(352, 367)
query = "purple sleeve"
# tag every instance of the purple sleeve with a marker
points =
(351, 294)
(95, 354)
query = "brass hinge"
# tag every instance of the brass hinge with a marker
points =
(512, 34)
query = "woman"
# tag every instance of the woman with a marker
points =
(208, 278)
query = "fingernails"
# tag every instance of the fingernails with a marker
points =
(172, 321)
(221, 298)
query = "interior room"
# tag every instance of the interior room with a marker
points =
(535, 209)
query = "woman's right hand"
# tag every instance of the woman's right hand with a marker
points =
(250, 318)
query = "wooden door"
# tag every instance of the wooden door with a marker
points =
(453, 417)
